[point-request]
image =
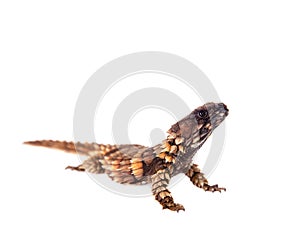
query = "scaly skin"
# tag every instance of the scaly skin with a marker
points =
(137, 164)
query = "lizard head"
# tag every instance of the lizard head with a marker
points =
(209, 116)
(195, 128)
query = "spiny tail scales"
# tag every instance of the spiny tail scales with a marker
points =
(70, 147)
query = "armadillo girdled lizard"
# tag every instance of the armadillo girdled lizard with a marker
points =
(137, 164)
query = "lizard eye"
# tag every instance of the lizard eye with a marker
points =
(203, 113)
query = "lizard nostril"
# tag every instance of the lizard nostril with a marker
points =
(223, 106)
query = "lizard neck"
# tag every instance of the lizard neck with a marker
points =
(186, 145)
(180, 146)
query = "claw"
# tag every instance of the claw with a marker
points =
(213, 188)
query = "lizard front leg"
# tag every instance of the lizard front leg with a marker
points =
(160, 181)
(198, 179)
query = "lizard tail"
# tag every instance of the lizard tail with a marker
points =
(70, 147)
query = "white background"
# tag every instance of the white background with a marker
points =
(250, 51)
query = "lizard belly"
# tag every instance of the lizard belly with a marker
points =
(126, 177)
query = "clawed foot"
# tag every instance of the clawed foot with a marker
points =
(174, 207)
(75, 168)
(168, 203)
(213, 188)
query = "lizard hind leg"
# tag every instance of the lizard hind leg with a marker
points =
(91, 165)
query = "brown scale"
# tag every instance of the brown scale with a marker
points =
(137, 164)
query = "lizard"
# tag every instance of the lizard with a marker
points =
(137, 164)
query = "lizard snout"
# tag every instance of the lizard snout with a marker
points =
(223, 108)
